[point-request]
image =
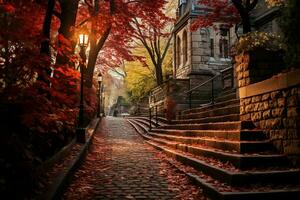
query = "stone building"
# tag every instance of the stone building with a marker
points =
(202, 52)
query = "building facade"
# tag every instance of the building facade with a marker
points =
(203, 52)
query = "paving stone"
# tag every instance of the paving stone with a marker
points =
(122, 165)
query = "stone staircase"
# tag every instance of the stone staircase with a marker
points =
(232, 159)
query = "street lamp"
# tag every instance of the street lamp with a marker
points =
(99, 79)
(80, 131)
(103, 102)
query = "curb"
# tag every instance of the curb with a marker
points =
(61, 181)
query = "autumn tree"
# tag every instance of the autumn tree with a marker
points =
(109, 21)
(230, 12)
(152, 36)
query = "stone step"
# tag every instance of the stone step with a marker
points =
(249, 192)
(223, 118)
(221, 134)
(226, 97)
(233, 109)
(160, 119)
(241, 161)
(212, 106)
(146, 122)
(237, 125)
(224, 145)
(225, 92)
(231, 177)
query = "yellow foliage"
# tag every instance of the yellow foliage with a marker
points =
(273, 3)
(256, 39)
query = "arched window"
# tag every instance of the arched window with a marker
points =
(224, 43)
(184, 47)
(178, 56)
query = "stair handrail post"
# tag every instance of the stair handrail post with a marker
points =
(212, 92)
(150, 117)
(190, 95)
(156, 119)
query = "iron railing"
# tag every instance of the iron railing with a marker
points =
(222, 81)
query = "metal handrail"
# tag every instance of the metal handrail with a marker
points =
(204, 83)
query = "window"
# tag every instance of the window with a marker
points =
(184, 44)
(223, 32)
(224, 48)
(224, 43)
(212, 48)
(178, 52)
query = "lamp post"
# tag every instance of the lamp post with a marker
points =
(102, 101)
(80, 131)
(99, 79)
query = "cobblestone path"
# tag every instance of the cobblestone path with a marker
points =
(119, 165)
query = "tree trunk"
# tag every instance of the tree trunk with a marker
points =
(94, 51)
(244, 11)
(45, 45)
(159, 74)
(246, 23)
(67, 20)
(91, 67)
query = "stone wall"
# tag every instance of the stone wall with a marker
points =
(174, 89)
(274, 106)
(255, 66)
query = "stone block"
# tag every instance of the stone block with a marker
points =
(291, 146)
(267, 114)
(266, 105)
(275, 94)
(261, 106)
(246, 117)
(256, 107)
(277, 134)
(292, 112)
(249, 108)
(256, 116)
(256, 99)
(247, 81)
(277, 112)
(294, 91)
(286, 93)
(240, 75)
(265, 97)
(273, 123)
(238, 58)
(281, 102)
(246, 58)
(289, 122)
(242, 102)
(262, 124)
(242, 83)
(242, 110)
(292, 101)
(246, 74)
(273, 103)
(247, 101)
(292, 134)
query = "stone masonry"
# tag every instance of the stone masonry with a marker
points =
(278, 114)
(273, 104)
